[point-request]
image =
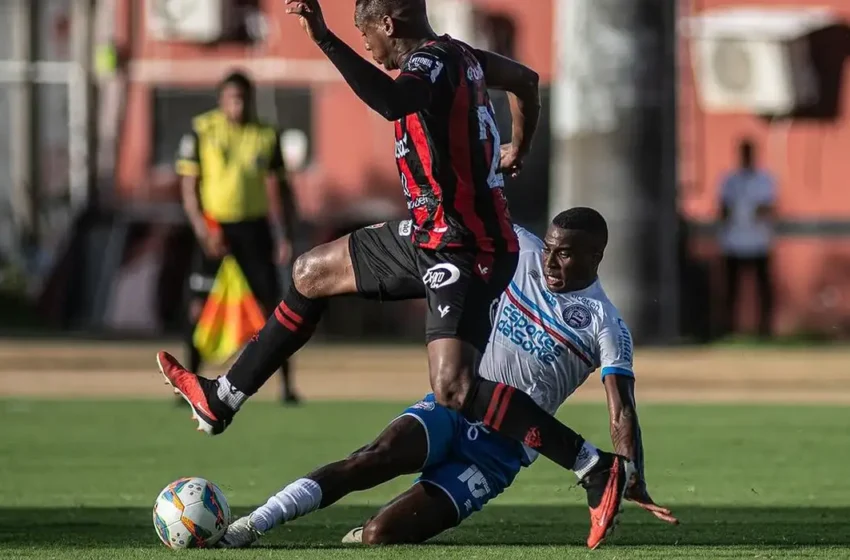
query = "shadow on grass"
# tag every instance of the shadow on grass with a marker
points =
(496, 525)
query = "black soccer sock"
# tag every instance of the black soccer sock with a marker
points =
(286, 331)
(514, 414)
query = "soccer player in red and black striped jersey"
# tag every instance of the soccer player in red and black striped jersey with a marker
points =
(458, 251)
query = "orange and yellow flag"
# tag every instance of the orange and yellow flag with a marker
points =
(230, 317)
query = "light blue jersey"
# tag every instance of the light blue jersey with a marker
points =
(544, 344)
(547, 344)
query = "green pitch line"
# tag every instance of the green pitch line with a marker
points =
(77, 480)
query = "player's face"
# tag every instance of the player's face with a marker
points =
(377, 41)
(233, 103)
(570, 259)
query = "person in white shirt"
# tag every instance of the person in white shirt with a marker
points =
(747, 199)
(552, 328)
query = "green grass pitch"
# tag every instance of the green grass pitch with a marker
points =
(77, 480)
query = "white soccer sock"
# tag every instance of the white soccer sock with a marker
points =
(587, 458)
(299, 498)
(230, 395)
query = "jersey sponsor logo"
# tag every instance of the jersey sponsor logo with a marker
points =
(377, 226)
(405, 228)
(625, 342)
(401, 147)
(524, 333)
(475, 73)
(418, 203)
(425, 64)
(440, 276)
(577, 316)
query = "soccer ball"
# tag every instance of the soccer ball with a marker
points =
(190, 513)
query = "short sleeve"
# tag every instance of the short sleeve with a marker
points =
(276, 164)
(615, 349)
(527, 240)
(189, 156)
(427, 65)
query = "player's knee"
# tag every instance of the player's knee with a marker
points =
(306, 271)
(450, 390)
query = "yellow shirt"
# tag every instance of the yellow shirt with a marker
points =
(232, 162)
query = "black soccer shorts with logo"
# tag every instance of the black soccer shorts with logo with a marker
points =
(459, 285)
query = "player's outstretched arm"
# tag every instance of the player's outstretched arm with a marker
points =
(522, 85)
(392, 99)
(626, 437)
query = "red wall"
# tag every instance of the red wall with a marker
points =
(811, 161)
(352, 145)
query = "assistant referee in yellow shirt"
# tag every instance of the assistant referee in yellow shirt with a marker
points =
(238, 202)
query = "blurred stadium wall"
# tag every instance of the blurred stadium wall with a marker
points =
(347, 178)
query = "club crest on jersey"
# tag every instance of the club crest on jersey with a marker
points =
(377, 226)
(423, 405)
(577, 316)
(440, 276)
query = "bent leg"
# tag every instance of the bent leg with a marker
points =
(421, 513)
(459, 326)
(321, 273)
(402, 448)
(375, 262)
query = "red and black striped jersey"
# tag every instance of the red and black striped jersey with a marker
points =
(448, 155)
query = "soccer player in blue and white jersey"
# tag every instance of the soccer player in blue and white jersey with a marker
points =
(552, 328)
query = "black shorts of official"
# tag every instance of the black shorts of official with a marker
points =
(462, 287)
(251, 244)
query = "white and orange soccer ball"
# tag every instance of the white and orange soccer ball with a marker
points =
(190, 513)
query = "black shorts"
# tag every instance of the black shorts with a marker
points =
(251, 244)
(460, 286)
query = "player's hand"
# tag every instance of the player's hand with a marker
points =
(283, 253)
(638, 494)
(213, 244)
(309, 14)
(510, 161)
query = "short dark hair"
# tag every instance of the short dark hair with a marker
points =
(584, 219)
(239, 79)
(402, 10)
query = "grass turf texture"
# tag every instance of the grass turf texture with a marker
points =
(77, 480)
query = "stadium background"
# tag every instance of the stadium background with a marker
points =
(93, 242)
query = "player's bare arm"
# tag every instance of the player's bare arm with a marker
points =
(522, 85)
(390, 98)
(626, 437)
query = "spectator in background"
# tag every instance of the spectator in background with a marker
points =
(238, 202)
(747, 199)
